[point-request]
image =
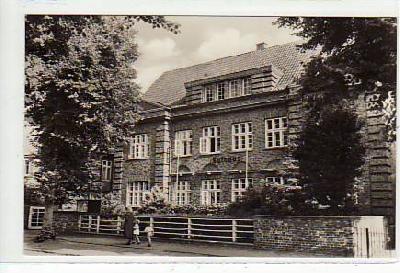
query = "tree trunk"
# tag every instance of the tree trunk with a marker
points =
(48, 217)
(48, 229)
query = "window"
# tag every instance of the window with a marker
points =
(276, 132)
(136, 193)
(239, 186)
(183, 143)
(106, 170)
(208, 94)
(140, 147)
(242, 136)
(246, 86)
(235, 88)
(221, 90)
(181, 193)
(36, 215)
(210, 142)
(226, 89)
(210, 192)
(275, 180)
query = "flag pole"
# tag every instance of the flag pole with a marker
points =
(177, 173)
(247, 164)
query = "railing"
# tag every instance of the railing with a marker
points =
(224, 230)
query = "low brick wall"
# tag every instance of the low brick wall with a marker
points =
(66, 221)
(318, 235)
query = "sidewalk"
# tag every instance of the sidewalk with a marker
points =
(93, 245)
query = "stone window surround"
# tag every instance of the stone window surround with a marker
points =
(183, 142)
(136, 192)
(206, 143)
(210, 195)
(271, 132)
(237, 187)
(139, 147)
(106, 170)
(247, 134)
(180, 192)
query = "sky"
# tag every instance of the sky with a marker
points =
(201, 39)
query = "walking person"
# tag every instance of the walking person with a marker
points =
(150, 233)
(136, 230)
(128, 225)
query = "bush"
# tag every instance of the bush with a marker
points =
(269, 200)
(278, 200)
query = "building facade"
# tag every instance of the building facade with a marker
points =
(209, 131)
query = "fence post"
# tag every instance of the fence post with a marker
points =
(98, 224)
(79, 222)
(189, 228)
(151, 222)
(234, 229)
(118, 224)
(90, 224)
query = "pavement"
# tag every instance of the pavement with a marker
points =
(95, 245)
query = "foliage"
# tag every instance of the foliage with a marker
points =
(155, 203)
(330, 155)
(269, 200)
(279, 200)
(33, 196)
(80, 92)
(111, 206)
(355, 55)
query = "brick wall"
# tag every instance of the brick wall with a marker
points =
(319, 235)
(66, 221)
(260, 158)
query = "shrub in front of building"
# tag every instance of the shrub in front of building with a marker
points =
(281, 200)
(269, 200)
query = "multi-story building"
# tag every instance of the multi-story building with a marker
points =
(208, 131)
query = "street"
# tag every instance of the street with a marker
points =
(88, 245)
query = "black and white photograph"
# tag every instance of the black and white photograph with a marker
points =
(215, 136)
(235, 135)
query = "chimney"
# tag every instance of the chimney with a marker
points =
(261, 46)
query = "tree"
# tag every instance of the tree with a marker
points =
(80, 94)
(355, 55)
(330, 154)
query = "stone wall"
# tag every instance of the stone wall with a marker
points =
(66, 221)
(319, 235)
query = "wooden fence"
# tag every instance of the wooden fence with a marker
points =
(208, 229)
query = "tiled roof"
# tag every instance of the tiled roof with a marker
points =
(288, 58)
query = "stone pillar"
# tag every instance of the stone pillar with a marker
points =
(295, 115)
(378, 162)
(162, 166)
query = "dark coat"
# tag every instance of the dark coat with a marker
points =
(128, 226)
